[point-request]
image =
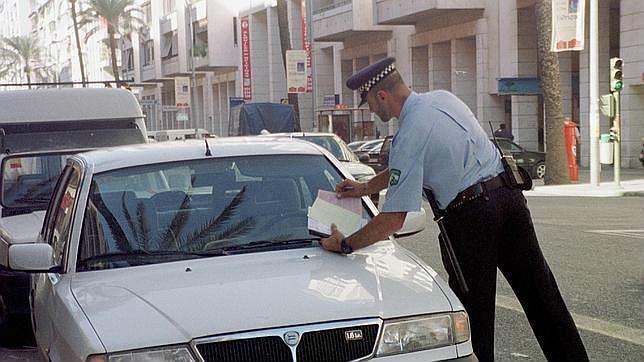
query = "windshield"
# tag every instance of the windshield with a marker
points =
(335, 145)
(164, 212)
(28, 181)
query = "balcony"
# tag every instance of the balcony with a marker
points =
(411, 12)
(336, 20)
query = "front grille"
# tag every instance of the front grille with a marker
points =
(323, 343)
(269, 349)
(332, 346)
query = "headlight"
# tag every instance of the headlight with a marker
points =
(416, 334)
(165, 354)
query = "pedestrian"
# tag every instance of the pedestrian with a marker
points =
(441, 147)
(503, 132)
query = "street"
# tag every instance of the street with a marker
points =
(594, 247)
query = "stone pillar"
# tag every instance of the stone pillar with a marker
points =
(440, 66)
(464, 70)
(420, 69)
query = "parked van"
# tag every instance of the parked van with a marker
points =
(39, 130)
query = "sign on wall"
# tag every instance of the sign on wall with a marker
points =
(245, 49)
(182, 92)
(567, 25)
(296, 71)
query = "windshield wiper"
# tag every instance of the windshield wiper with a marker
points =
(265, 244)
(139, 255)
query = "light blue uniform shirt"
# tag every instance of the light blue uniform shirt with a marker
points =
(439, 145)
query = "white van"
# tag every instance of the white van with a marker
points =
(39, 130)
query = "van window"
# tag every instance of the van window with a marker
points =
(26, 137)
(28, 181)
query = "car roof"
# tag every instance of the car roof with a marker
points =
(136, 155)
(67, 104)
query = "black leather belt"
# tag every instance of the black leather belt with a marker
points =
(475, 191)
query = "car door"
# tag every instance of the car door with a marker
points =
(48, 291)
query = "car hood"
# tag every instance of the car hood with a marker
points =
(18, 229)
(357, 169)
(184, 300)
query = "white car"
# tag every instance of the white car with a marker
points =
(200, 251)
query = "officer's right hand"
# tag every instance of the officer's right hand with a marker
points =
(350, 188)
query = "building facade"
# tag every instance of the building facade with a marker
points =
(470, 48)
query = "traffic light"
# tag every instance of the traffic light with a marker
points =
(612, 134)
(616, 82)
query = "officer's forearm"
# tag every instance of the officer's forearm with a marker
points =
(378, 182)
(379, 228)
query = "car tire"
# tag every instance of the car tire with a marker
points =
(539, 170)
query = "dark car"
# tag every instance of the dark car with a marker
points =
(533, 161)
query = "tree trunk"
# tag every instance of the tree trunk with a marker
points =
(285, 44)
(556, 163)
(27, 72)
(115, 67)
(78, 44)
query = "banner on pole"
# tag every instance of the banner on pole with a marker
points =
(296, 71)
(245, 49)
(567, 25)
(182, 92)
(307, 47)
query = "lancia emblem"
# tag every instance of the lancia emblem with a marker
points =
(292, 338)
(353, 335)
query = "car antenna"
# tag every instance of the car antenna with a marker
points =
(496, 143)
(208, 153)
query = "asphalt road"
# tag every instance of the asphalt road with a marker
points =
(595, 248)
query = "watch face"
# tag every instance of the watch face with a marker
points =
(346, 248)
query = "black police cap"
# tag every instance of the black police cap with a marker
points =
(367, 77)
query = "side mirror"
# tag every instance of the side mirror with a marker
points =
(414, 223)
(34, 258)
(363, 157)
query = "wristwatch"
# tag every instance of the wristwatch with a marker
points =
(346, 248)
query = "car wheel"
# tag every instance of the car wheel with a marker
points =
(539, 170)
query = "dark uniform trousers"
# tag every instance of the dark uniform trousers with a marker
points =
(497, 231)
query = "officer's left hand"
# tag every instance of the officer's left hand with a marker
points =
(332, 243)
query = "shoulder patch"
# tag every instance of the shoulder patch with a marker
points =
(394, 177)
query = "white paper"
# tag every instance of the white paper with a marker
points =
(328, 209)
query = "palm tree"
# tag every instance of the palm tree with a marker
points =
(23, 50)
(78, 44)
(120, 17)
(549, 65)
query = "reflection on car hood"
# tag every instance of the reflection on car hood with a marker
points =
(358, 169)
(175, 302)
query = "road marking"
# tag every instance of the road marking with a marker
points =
(628, 233)
(609, 329)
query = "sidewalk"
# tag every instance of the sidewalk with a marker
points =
(632, 184)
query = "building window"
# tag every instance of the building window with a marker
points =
(168, 6)
(127, 59)
(148, 52)
(170, 45)
(147, 12)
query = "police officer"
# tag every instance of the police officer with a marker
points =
(440, 146)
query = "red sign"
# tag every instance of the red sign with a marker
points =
(306, 46)
(245, 48)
